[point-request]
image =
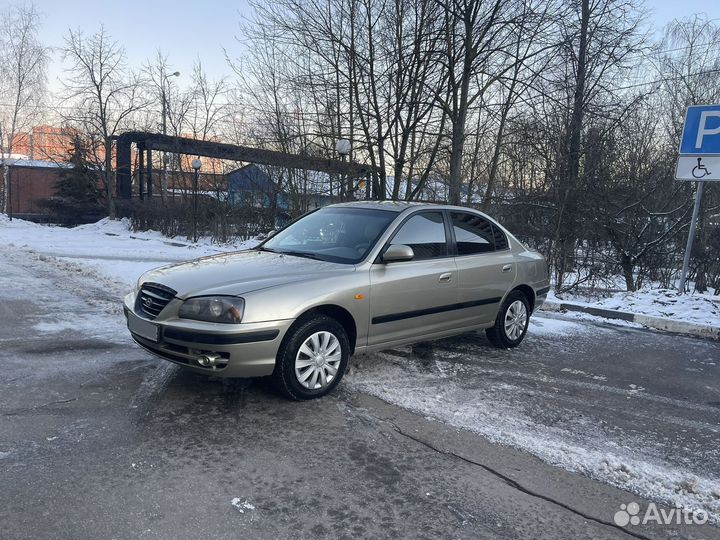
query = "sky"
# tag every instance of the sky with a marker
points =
(184, 30)
(187, 30)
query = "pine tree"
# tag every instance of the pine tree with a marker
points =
(79, 183)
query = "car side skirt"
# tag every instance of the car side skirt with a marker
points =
(428, 337)
(392, 317)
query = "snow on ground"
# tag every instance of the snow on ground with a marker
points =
(108, 246)
(242, 505)
(448, 392)
(664, 303)
(548, 326)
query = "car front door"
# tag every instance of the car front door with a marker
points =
(486, 267)
(412, 298)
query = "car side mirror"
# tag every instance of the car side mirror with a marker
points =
(397, 253)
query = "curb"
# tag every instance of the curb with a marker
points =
(657, 323)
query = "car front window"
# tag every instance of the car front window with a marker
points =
(334, 234)
(425, 234)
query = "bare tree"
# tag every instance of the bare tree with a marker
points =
(103, 93)
(601, 38)
(172, 106)
(519, 80)
(687, 64)
(23, 65)
(209, 106)
(480, 38)
(522, 102)
(636, 203)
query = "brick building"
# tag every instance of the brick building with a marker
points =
(30, 182)
(45, 143)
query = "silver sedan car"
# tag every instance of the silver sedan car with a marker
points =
(346, 279)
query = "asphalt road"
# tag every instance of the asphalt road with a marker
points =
(100, 440)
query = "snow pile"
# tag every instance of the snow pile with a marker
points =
(495, 412)
(108, 246)
(664, 303)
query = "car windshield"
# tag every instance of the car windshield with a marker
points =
(334, 234)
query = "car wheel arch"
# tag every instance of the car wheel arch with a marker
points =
(338, 313)
(527, 291)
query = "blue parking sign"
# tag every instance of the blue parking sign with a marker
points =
(701, 134)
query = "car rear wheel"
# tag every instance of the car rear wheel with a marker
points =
(511, 323)
(312, 358)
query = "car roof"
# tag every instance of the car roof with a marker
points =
(395, 206)
(398, 206)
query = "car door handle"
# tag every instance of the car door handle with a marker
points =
(507, 268)
(445, 278)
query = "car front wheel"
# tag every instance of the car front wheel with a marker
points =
(511, 323)
(312, 358)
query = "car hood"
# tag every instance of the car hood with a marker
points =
(239, 273)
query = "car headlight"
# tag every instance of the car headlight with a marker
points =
(218, 309)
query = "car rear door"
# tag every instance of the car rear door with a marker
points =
(412, 298)
(486, 266)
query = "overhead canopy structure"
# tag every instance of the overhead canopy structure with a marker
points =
(147, 142)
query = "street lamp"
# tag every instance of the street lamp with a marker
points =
(165, 78)
(344, 147)
(196, 164)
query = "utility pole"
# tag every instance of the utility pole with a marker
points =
(165, 78)
(691, 236)
(196, 164)
(343, 147)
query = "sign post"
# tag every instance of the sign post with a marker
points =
(699, 160)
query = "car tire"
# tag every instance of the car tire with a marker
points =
(511, 323)
(312, 358)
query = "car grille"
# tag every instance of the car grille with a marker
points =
(153, 298)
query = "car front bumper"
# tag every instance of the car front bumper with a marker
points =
(242, 350)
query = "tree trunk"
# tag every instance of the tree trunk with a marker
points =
(566, 234)
(627, 269)
(460, 113)
(498, 145)
(456, 157)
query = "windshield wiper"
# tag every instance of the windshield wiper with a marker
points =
(301, 254)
